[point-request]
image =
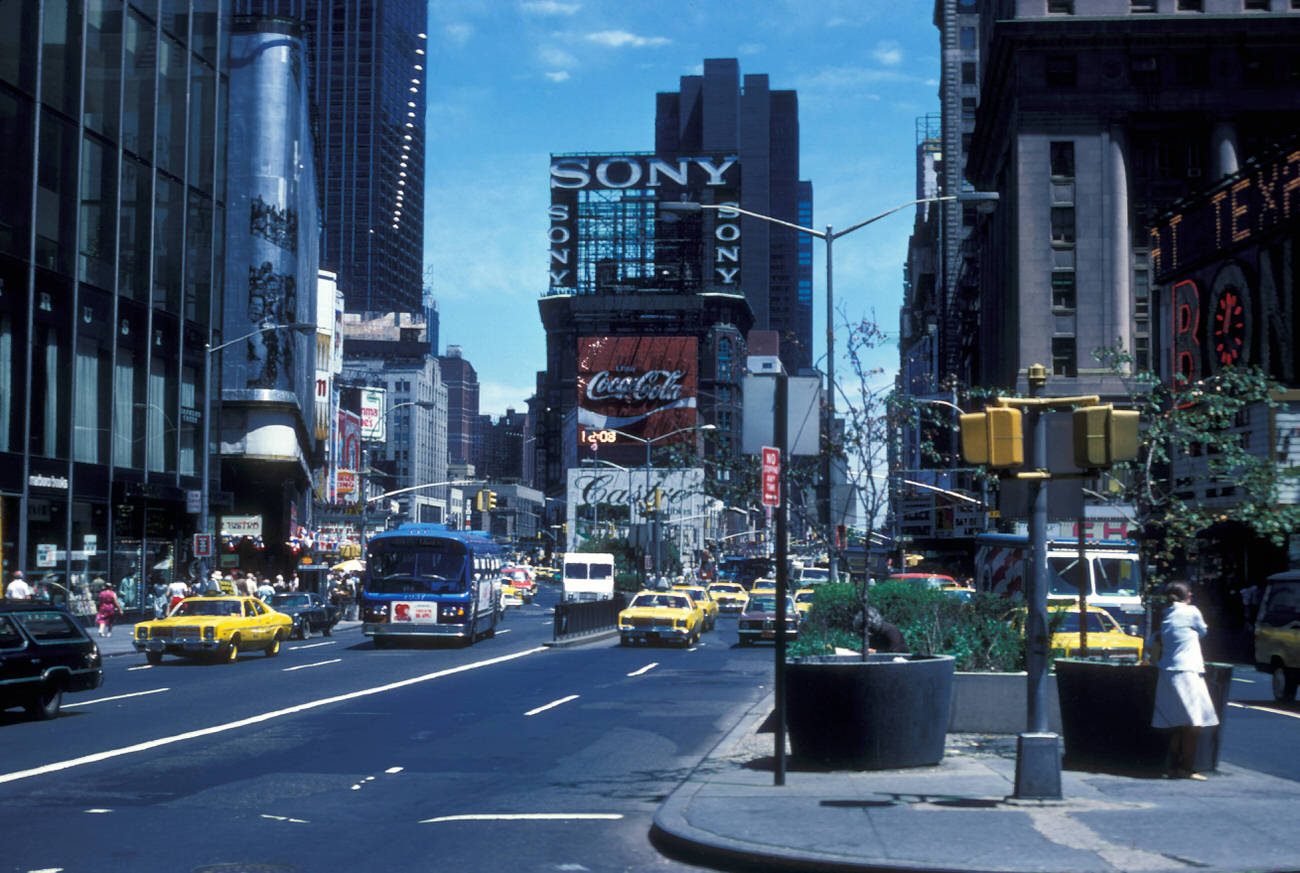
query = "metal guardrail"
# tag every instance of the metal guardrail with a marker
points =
(577, 618)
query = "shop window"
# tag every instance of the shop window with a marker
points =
(47, 519)
(191, 422)
(1063, 224)
(1063, 356)
(89, 552)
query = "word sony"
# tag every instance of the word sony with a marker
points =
(632, 171)
(650, 385)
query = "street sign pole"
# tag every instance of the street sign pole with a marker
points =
(782, 447)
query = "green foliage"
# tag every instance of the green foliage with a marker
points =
(932, 622)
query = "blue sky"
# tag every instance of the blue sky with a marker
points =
(512, 82)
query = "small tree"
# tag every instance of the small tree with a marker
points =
(1199, 423)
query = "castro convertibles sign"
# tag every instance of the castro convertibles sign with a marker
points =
(641, 387)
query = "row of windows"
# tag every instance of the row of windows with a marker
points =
(1187, 70)
(1066, 7)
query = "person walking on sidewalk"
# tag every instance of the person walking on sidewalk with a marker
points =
(109, 609)
(1183, 701)
(18, 589)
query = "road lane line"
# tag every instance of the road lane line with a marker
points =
(141, 667)
(528, 816)
(646, 669)
(391, 770)
(552, 704)
(503, 631)
(1266, 709)
(256, 719)
(305, 666)
(1239, 679)
(285, 818)
(115, 697)
(313, 645)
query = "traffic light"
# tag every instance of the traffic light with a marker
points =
(480, 500)
(1104, 435)
(658, 499)
(490, 499)
(994, 437)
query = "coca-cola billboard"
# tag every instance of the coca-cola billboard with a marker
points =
(634, 389)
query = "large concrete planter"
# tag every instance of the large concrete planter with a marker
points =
(997, 703)
(1106, 716)
(888, 711)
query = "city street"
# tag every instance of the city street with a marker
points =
(337, 756)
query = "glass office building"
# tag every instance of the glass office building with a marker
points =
(112, 148)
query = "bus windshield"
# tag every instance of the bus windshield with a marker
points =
(416, 567)
(1063, 575)
(1116, 576)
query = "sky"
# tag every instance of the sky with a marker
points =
(511, 82)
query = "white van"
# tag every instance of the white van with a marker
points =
(588, 576)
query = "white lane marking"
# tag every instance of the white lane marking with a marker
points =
(257, 719)
(285, 818)
(114, 697)
(313, 645)
(1239, 679)
(305, 666)
(97, 811)
(553, 703)
(503, 631)
(141, 667)
(528, 816)
(646, 669)
(1266, 709)
(47, 870)
(394, 770)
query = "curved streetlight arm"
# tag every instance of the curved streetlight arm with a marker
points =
(301, 326)
(425, 485)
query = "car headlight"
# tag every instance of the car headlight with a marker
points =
(209, 633)
(141, 632)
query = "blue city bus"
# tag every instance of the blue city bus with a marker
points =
(426, 580)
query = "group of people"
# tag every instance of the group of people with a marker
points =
(107, 604)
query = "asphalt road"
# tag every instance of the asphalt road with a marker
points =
(1258, 732)
(336, 756)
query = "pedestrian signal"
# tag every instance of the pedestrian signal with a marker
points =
(994, 437)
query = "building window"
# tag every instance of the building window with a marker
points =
(966, 38)
(1142, 352)
(968, 109)
(1060, 7)
(968, 73)
(1191, 5)
(1063, 291)
(1063, 224)
(1063, 356)
(1144, 71)
(1062, 156)
(1141, 294)
(1256, 5)
(724, 359)
(1061, 71)
(1142, 6)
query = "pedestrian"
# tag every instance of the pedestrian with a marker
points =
(178, 591)
(109, 609)
(18, 589)
(882, 636)
(1183, 702)
(280, 587)
(266, 590)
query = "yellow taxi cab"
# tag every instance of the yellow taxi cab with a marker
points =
(1105, 636)
(220, 627)
(763, 586)
(660, 616)
(547, 574)
(705, 600)
(730, 596)
(803, 601)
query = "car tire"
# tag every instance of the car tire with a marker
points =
(231, 653)
(45, 705)
(274, 648)
(154, 658)
(1284, 684)
(304, 629)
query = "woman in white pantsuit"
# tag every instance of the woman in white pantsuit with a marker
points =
(1182, 698)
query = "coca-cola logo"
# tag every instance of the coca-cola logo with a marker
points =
(650, 385)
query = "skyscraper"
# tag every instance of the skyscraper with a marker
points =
(368, 83)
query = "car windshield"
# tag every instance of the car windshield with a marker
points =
(399, 566)
(669, 601)
(48, 626)
(1116, 576)
(815, 574)
(726, 589)
(208, 607)
(767, 603)
(290, 600)
(805, 596)
(1098, 622)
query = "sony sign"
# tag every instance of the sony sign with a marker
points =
(639, 171)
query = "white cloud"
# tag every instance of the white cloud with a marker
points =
(495, 397)
(558, 76)
(551, 56)
(458, 34)
(888, 52)
(751, 48)
(621, 39)
(550, 7)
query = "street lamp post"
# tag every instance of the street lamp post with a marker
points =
(210, 356)
(829, 235)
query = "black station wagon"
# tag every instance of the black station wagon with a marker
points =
(44, 652)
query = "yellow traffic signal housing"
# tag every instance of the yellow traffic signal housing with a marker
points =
(994, 437)
(1104, 435)
(490, 499)
(480, 500)
(659, 499)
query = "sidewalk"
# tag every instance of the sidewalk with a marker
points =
(120, 643)
(959, 816)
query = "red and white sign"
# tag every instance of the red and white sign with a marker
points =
(633, 390)
(202, 545)
(771, 476)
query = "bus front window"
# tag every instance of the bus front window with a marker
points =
(404, 568)
(1117, 576)
(1063, 575)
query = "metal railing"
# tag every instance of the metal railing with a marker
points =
(577, 618)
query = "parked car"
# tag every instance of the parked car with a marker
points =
(310, 612)
(1277, 633)
(707, 604)
(758, 621)
(731, 597)
(44, 653)
(661, 616)
(220, 627)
